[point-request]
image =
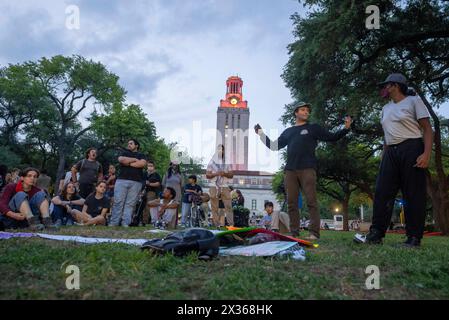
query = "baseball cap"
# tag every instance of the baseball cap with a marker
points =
(394, 77)
(302, 104)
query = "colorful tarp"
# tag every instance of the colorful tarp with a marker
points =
(251, 231)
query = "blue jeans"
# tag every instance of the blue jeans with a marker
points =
(185, 211)
(60, 213)
(126, 195)
(14, 205)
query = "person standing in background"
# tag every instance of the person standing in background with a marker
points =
(44, 182)
(408, 139)
(15, 175)
(219, 173)
(90, 171)
(110, 179)
(128, 184)
(153, 188)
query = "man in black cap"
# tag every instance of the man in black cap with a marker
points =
(407, 148)
(300, 170)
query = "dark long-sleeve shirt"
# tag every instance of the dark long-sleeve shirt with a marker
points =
(301, 142)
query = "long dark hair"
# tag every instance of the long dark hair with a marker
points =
(222, 151)
(64, 190)
(171, 171)
(405, 90)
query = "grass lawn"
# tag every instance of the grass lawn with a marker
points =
(35, 269)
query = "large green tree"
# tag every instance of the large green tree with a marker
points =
(335, 63)
(73, 85)
(345, 168)
(112, 130)
(21, 97)
(53, 109)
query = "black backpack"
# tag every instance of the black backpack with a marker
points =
(184, 242)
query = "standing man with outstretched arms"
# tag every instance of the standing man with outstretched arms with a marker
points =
(300, 170)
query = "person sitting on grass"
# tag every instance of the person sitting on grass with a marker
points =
(68, 197)
(165, 209)
(95, 209)
(276, 221)
(22, 205)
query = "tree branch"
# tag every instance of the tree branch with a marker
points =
(76, 114)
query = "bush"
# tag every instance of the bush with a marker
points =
(241, 216)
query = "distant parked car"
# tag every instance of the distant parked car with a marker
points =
(338, 222)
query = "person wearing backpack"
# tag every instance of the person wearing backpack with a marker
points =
(90, 172)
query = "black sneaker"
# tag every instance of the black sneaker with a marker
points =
(412, 242)
(34, 224)
(373, 237)
(48, 224)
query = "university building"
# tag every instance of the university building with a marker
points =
(232, 132)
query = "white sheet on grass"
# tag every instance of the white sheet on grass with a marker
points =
(265, 249)
(281, 248)
(136, 242)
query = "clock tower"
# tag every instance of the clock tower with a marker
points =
(233, 124)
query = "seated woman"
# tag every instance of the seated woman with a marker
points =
(165, 209)
(68, 197)
(95, 207)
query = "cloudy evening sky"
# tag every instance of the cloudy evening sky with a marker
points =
(172, 56)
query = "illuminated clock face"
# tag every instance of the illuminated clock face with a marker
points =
(234, 101)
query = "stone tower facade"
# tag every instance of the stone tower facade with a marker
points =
(233, 124)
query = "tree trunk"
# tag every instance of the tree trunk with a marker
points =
(438, 184)
(440, 204)
(345, 204)
(60, 173)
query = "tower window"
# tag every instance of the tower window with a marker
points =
(254, 204)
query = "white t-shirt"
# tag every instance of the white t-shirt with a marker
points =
(68, 177)
(400, 120)
(216, 165)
